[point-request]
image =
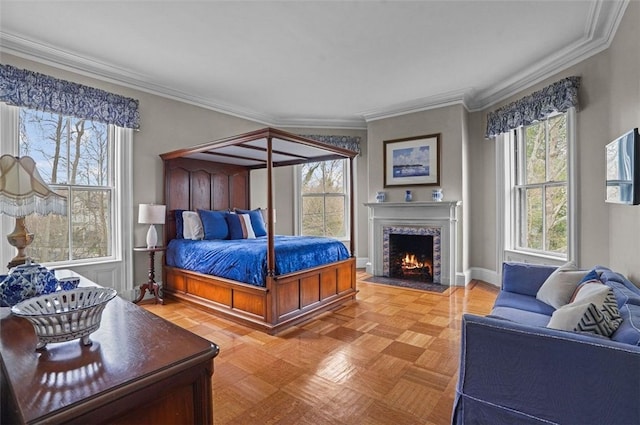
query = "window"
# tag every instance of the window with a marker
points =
(87, 162)
(323, 205)
(539, 188)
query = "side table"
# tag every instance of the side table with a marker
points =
(151, 284)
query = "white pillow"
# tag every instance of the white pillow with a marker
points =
(192, 226)
(560, 285)
(594, 310)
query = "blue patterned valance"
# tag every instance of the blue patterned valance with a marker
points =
(344, 142)
(558, 97)
(20, 87)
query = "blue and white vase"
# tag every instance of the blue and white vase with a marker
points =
(408, 196)
(26, 281)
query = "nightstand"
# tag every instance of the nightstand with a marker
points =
(151, 284)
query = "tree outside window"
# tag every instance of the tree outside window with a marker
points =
(324, 199)
(541, 190)
(74, 156)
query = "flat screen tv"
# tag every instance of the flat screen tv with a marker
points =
(623, 169)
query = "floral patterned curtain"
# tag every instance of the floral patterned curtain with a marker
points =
(558, 97)
(20, 87)
(344, 142)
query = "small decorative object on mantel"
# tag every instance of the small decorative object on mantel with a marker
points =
(408, 197)
(436, 195)
(381, 196)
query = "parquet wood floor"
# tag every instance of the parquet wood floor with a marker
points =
(390, 357)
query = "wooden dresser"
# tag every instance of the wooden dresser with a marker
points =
(140, 369)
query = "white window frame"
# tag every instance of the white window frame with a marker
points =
(298, 199)
(507, 210)
(122, 214)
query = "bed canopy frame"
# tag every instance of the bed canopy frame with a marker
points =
(215, 176)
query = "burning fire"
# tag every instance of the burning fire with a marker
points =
(410, 262)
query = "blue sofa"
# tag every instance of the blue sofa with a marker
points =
(514, 370)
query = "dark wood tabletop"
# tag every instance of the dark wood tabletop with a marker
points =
(131, 350)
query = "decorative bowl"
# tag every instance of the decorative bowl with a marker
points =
(65, 315)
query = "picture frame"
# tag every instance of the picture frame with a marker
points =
(412, 161)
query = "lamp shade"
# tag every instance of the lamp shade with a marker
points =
(151, 214)
(23, 192)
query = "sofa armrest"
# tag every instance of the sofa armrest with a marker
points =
(514, 373)
(524, 278)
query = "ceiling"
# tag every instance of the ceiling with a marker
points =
(314, 63)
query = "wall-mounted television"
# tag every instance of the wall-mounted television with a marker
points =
(623, 169)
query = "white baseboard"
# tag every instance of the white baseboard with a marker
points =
(486, 275)
(362, 262)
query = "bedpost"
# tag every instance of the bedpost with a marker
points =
(270, 236)
(352, 221)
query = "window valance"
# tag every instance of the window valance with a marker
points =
(344, 142)
(558, 97)
(20, 87)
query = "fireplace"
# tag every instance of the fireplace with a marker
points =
(412, 253)
(432, 226)
(411, 257)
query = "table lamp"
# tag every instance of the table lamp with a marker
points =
(24, 192)
(151, 214)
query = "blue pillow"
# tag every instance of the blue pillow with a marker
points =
(214, 224)
(592, 275)
(179, 224)
(257, 222)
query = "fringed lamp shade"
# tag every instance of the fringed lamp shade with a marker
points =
(23, 192)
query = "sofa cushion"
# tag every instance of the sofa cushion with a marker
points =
(525, 279)
(593, 310)
(521, 316)
(560, 285)
(522, 302)
(629, 330)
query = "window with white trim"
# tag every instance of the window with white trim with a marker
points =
(323, 198)
(78, 159)
(539, 186)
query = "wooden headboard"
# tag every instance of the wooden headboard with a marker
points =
(192, 184)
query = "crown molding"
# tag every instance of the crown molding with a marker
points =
(419, 105)
(605, 16)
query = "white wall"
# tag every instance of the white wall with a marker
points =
(450, 122)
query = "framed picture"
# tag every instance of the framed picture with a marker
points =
(414, 161)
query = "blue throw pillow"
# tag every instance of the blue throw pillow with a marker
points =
(257, 222)
(179, 224)
(592, 275)
(214, 224)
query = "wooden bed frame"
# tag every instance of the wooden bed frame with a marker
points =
(215, 176)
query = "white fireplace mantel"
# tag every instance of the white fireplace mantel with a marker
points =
(441, 215)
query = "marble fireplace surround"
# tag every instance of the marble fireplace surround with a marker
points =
(438, 219)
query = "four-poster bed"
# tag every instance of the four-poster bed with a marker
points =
(215, 177)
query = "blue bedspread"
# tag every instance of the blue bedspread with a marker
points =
(245, 260)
